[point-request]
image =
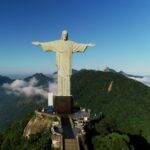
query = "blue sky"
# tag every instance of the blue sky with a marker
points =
(119, 28)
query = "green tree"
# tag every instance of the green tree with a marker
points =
(40, 141)
(113, 141)
(13, 136)
(13, 139)
(105, 126)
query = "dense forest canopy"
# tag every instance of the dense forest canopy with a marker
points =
(127, 103)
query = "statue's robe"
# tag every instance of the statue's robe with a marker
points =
(64, 50)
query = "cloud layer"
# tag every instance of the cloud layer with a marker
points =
(29, 89)
(145, 80)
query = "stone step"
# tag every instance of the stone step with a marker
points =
(71, 144)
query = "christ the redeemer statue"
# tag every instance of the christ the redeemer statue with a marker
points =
(64, 49)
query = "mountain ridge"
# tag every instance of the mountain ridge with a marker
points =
(127, 103)
(107, 69)
(5, 79)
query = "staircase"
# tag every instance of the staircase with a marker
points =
(71, 144)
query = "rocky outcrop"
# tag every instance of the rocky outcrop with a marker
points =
(38, 123)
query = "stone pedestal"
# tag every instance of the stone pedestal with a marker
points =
(63, 104)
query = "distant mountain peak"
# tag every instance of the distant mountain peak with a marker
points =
(41, 78)
(38, 75)
(73, 71)
(107, 69)
(5, 79)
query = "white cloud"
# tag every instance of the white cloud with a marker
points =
(145, 80)
(53, 88)
(28, 88)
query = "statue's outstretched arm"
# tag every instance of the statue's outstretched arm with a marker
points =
(36, 43)
(79, 47)
(47, 46)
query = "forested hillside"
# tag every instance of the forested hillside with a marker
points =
(128, 102)
(13, 108)
(122, 103)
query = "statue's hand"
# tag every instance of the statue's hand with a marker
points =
(36, 43)
(91, 45)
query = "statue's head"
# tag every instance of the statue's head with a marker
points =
(64, 35)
